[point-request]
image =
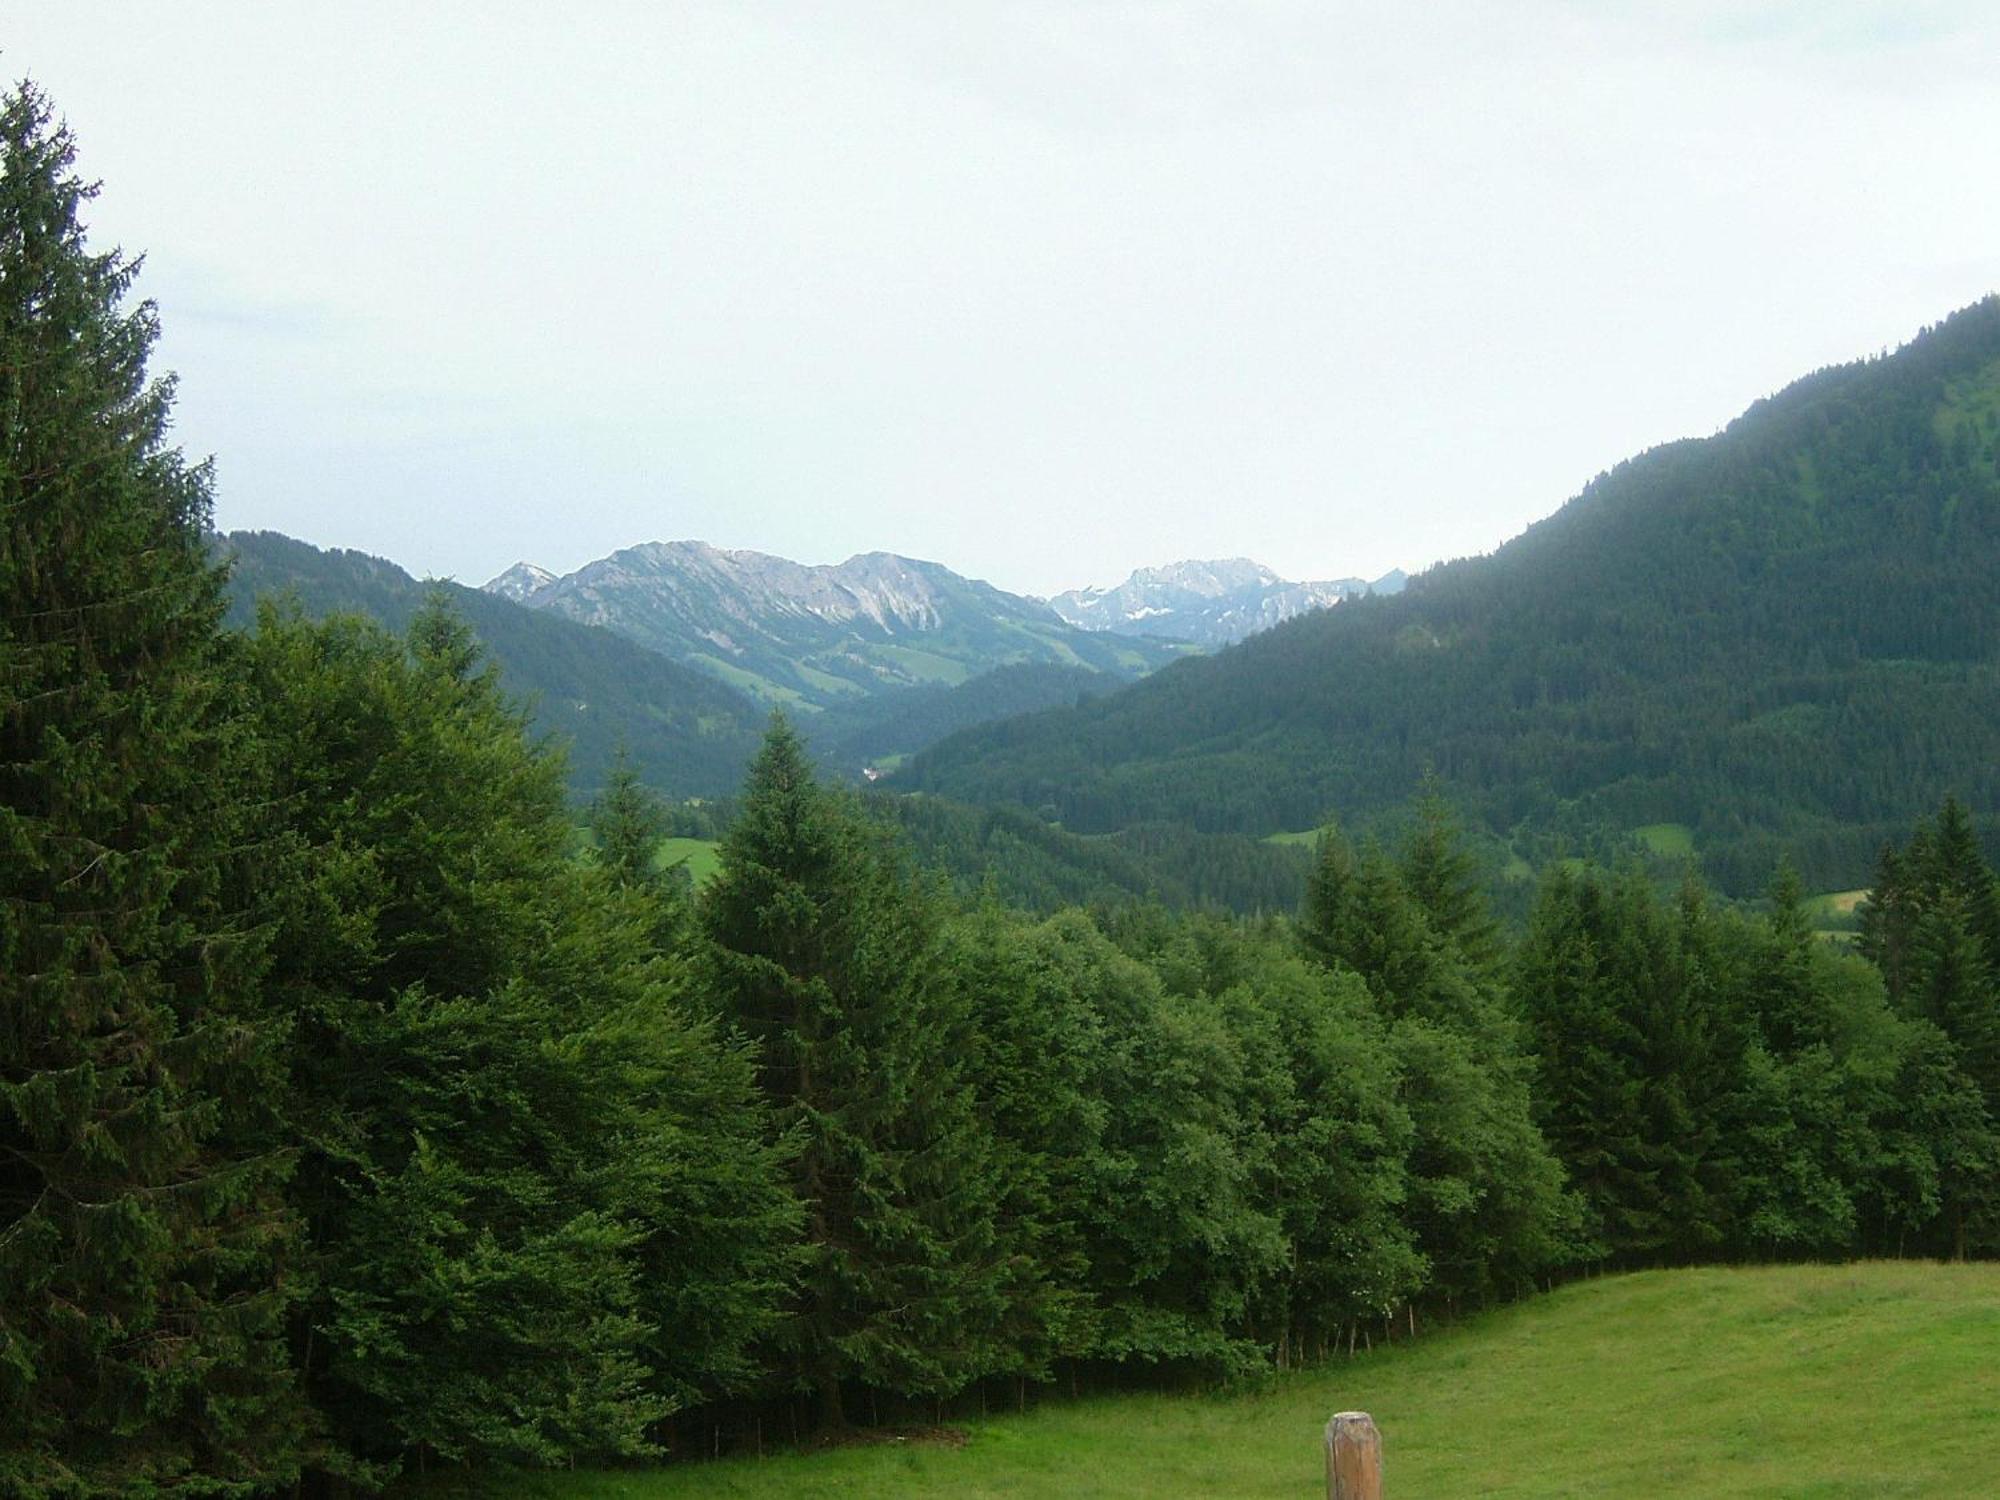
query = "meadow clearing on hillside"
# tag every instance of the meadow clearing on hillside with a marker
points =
(1880, 1379)
(699, 855)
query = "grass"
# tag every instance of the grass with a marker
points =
(827, 682)
(757, 686)
(1668, 840)
(1834, 916)
(1309, 838)
(923, 666)
(1810, 1383)
(1835, 904)
(702, 860)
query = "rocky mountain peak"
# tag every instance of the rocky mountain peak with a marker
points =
(520, 583)
(1209, 602)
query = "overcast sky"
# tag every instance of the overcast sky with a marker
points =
(1043, 291)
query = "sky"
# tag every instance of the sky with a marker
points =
(1044, 290)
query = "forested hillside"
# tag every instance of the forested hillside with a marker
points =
(1036, 867)
(1785, 636)
(687, 734)
(885, 728)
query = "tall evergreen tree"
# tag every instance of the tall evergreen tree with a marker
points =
(628, 821)
(1041, 1057)
(828, 957)
(143, 1246)
(1443, 881)
(1588, 1092)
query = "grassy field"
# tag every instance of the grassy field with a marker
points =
(1668, 840)
(700, 855)
(1305, 837)
(1816, 1383)
(1835, 911)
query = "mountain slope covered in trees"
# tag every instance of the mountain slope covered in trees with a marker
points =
(1785, 636)
(687, 734)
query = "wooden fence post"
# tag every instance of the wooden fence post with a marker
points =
(1353, 1457)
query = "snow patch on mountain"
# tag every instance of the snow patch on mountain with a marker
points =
(1211, 603)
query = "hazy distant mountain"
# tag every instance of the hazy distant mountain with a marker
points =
(521, 581)
(1209, 603)
(1784, 637)
(688, 734)
(814, 637)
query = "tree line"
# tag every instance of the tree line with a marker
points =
(361, 1114)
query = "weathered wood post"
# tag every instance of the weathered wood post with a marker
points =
(1353, 1457)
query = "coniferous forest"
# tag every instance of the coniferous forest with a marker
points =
(369, 1108)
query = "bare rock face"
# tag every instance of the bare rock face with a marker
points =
(1353, 1457)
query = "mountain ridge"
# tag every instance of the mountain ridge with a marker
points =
(809, 636)
(1211, 602)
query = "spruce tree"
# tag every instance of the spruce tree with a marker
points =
(628, 822)
(143, 1283)
(1443, 880)
(827, 956)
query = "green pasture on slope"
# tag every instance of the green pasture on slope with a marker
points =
(1836, 910)
(1308, 837)
(702, 860)
(1667, 840)
(1809, 1383)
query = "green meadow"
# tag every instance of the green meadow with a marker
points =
(1666, 840)
(1810, 1383)
(1836, 911)
(1304, 837)
(697, 854)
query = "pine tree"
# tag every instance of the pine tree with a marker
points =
(628, 822)
(1785, 992)
(827, 956)
(143, 1246)
(1444, 882)
(1886, 920)
(1587, 1089)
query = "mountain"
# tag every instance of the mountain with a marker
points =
(688, 735)
(812, 637)
(1781, 638)
(520, 582)
(1208, 603)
